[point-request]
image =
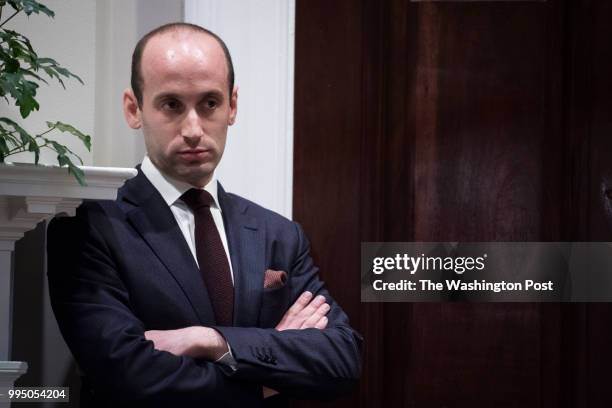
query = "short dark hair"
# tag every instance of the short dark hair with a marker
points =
(136, 78)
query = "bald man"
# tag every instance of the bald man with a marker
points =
(181, 293)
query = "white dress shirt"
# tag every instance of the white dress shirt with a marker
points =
(171, 191)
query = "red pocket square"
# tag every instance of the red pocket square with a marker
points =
(274, 279)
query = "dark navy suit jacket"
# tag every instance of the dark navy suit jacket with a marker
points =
(122, 267)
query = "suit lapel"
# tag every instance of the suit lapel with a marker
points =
(154, 221)
(246, 241)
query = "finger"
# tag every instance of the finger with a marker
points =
(312, 307)
(322, 323)
(151, 334)
(315, 317)
(289, 318)
(299, 304)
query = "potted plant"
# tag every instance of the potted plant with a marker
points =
(22, 71)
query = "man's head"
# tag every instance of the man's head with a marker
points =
(136, 77)
(183, 98)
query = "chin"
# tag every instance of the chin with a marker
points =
(199, 176)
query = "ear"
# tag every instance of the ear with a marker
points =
(233, 106)
(131, 111)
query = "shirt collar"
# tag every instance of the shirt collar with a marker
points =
(171, 189)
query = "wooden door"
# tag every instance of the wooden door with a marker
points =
(458, 121)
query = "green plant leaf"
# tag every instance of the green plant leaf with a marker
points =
(53, 74)
(33, 147)
(23, 134)
(77, 173)
(26, 105)
(21, 72)
(27, 72)
(9, 139)
(31, 6)
(64, 150)
(22, 90)
(4, 149)
(18, 46)
(63, 160)
(11, 65)
(64, 127)
(61, 151)
(54, 70)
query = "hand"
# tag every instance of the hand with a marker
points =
(195, 341)
(305, 313)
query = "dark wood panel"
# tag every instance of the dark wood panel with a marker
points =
(458, 121)
(480, 124)
(327, 84)
(481, 131)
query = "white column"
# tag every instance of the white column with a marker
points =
(10, 371)
(6, 251)
(258, 161)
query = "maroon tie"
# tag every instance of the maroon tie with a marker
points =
(212, 258)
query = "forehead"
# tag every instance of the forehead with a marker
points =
(183, 56)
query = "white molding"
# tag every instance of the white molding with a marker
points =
(22, 179)
(258, 161)
(13, 367)
(10, 371)
(30, 194)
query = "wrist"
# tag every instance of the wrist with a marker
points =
(211, 344)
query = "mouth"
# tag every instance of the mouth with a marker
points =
(193, 154)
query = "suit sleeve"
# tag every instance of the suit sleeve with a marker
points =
(309, 363)
(92, 307)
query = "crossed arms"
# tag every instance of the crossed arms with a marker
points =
(206, 343)
(312, 351)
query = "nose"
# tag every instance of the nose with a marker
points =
(191, 129)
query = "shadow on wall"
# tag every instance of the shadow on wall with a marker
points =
(36, 337)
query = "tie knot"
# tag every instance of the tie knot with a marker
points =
(196, 198)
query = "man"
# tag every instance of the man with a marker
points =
(181, 293)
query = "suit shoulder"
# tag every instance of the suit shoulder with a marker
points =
(255, 210)
(90, 212)
(281, 232)
(92, 209)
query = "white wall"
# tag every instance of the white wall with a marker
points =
(258, 161)
(119, 26)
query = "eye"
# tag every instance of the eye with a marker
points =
(211, 104)
(171, 105)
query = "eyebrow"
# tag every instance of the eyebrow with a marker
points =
(164, 96)
(171, 95)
